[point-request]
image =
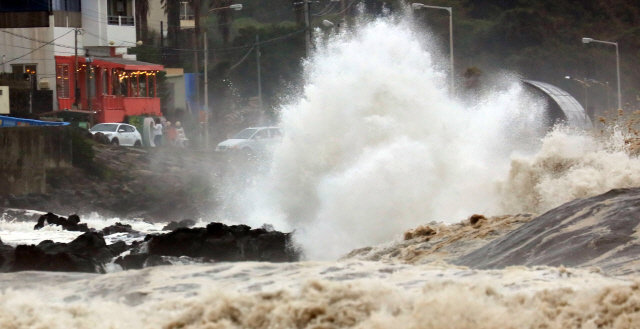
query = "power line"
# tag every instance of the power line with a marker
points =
(50, 42)
(49, 51)
(325, 11)
(36, 40)
(352, 2)
(237, 47)
(243, 58)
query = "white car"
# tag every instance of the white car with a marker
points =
(119, 133)
(251, 140)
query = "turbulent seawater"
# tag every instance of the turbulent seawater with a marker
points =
(374, 146)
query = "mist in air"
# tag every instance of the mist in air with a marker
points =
(375, 144)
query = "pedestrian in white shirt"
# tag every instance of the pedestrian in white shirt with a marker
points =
(157, 133)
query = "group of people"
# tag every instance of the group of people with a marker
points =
(172, 135)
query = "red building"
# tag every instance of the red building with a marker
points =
(112, 87)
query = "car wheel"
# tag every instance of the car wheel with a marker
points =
(115, 142)
(137, 143)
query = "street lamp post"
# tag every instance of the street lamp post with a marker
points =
(206, 80)
(450, 10)
(585, 85)
(589, 40)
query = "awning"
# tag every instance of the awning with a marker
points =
(126, 64)
(44, 114)
(114, 63)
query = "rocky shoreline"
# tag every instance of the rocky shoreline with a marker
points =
(90, 253)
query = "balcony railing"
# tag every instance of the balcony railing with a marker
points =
(121, 20)
(186, 17)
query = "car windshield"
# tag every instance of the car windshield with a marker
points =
(245, 134)
(105, 127)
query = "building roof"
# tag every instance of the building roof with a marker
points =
(128, 64)
(115, 62)
(573, 111)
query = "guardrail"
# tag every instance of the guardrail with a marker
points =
(19, 122)
(121, 20)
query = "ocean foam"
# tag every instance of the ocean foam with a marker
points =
(319, 295)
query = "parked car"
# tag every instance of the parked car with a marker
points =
(119, 133)
(251, 140)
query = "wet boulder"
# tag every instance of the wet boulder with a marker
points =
(221, 242)
(33, 258)
(600, 231)
(87, 253)
(118, 228)
(6, 256)
(70, 224)
(118, 247)
(173, 225)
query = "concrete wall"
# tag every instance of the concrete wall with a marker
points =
(4, 100)
(27, 152)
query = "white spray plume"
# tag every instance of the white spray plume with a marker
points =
(376, 145)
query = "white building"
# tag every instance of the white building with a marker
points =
(33, 33)
(158, 18)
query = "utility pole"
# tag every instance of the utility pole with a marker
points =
(161, 37)
(77, 87)
(206, 94)
(306, 5)
(259, 80)
(342, 10)
(196, 68)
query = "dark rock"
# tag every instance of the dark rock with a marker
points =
(70, 224)
(32, 258)
(118, 247)
(181, 242)
(6, 256)
(594, 232)
(87, 253)
(118, 228)
(173, 225)
(74, 219)
(224, 243)
(132, 262)
(93, 245)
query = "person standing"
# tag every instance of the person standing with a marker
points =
(157, 133)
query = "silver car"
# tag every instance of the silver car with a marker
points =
(119, 133)
(251, 140)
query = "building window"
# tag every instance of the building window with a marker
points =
(186, 13)
(23, 68)
(62, 80)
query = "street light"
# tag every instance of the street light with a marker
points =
(234, 7)
(585, 85)
(416, 6)
(589, 40)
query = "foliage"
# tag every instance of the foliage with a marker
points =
(82, 155)
(136, 121)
